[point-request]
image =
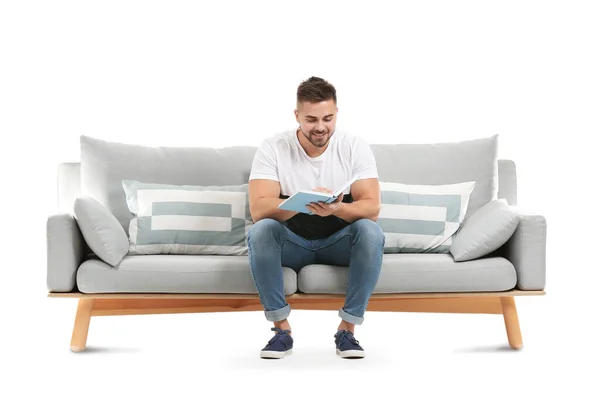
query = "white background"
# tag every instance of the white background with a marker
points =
(185, 73)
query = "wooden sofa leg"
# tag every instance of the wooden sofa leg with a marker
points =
(82, 324)
(511, 321)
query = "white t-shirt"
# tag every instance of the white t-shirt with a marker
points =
(281, 158)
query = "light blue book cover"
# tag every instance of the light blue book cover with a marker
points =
(299, 200)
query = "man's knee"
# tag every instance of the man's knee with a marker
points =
(369, 230)
(264, 229)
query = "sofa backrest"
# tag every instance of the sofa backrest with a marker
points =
(229, 166)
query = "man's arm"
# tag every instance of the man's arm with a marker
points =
(367, 201)
(264, 199)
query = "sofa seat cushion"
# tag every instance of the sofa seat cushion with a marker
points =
(414, 273)
(170, 273)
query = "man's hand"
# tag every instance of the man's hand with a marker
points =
(323, 209)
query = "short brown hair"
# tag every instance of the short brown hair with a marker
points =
(315, 90)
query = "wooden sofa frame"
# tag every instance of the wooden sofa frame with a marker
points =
(135, 304)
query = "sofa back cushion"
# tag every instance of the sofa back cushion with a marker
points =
(443, 163)
(186, 219)
(104, 165)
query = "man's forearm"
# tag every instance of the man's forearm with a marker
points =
(267, 208)
(359, 209)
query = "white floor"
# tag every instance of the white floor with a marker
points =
(216, 355)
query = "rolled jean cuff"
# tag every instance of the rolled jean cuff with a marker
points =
(350, 318)
(278, 315)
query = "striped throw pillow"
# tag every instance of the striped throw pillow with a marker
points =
(185, 219)
(422, 218)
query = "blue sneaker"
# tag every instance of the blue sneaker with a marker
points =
(347, 346)
(279, 346)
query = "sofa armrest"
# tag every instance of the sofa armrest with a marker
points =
(65, 252)
(526, 250)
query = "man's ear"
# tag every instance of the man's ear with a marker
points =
(296, 114)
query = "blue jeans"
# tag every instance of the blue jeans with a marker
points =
(359, 246)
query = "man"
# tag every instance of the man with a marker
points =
(314, 156)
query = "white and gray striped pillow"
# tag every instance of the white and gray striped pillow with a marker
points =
(422, 218)
(185, 219)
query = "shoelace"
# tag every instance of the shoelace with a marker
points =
(278, 335)
(349, 336)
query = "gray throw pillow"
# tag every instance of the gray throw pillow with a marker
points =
(101, 230)
(488, 228)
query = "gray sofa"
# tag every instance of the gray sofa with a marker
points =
(174, 283)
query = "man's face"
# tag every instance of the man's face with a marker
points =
(317, 121)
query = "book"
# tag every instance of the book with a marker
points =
(299, 200)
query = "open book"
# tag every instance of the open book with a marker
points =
(298, 201)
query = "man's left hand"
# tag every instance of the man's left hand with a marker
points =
(325, 209)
